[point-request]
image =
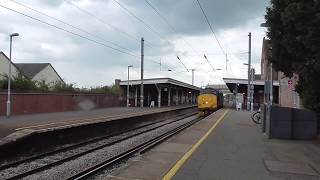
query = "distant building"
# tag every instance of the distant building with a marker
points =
(221, 87)
(4, 66)
(288, 97)
(34, 71)
(40, 72)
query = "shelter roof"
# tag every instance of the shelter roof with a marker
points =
(160, 81)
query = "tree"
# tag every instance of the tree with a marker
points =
(294, 32)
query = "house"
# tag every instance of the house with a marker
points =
(4, 66)
(39, 72)
(34, 71)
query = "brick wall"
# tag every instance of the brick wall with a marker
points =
(28, 103)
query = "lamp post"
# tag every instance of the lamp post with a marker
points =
(192, 76)
(249, 77)
(128, 94)
(250, 87)
(9, 77)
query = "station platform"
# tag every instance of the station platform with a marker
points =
(226, 145)
(63, 119)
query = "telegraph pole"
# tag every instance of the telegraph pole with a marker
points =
(192, 76)
(128, 88)
(252, 87)
(141, 90)
(226, 62)
(249, 72)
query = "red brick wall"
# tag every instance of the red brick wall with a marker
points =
(27, 103)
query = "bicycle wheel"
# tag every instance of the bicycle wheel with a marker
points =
(256, 117)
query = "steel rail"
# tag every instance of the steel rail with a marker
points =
(46, 166)
(141, 148)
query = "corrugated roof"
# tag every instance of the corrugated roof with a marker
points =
(31, 69)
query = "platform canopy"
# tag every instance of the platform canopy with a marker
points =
(242, 84)
(160, 81)
(160, 92)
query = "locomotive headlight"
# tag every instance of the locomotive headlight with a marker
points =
(206, 102)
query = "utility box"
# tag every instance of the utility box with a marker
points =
(304, 124)
(289, 123)
(279, 122)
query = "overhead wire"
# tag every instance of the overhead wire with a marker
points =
(174, 30)
(182, 63)
(111, 26)
(139, 19)
(149, 27)
(106, 23)
(68, 31)
(70, 25)
(211, 28)
(76, 34)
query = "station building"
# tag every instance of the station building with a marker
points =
(159, 92)
(284, 93)
(259, 95)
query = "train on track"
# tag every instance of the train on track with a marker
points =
(209, 101)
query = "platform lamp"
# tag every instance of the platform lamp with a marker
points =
(9, 77)
(128, 94)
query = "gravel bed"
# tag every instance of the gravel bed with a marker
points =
(7, 173)
(77, 165)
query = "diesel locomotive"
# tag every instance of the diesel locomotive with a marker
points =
(209, 101)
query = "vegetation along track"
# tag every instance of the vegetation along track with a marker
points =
(29, 168)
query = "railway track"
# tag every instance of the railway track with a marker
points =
(5, 165)
(41, 166)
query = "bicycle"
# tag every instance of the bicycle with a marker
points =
(256, 117)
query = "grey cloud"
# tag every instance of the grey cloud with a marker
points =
(187, 18)
(82, 57)
(54, 3)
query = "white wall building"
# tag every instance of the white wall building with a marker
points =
(40, 72)
(34, 71)
(4, 66)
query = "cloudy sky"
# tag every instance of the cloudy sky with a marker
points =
(91, 42)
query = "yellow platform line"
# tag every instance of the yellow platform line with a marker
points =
(187, 155)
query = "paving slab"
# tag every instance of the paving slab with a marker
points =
(238, 150)
(294, 168)
(235, 149)
(157, 161)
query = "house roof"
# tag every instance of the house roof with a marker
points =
(31, 69)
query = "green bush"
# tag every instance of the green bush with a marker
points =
(63, 87)
(19, 82)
